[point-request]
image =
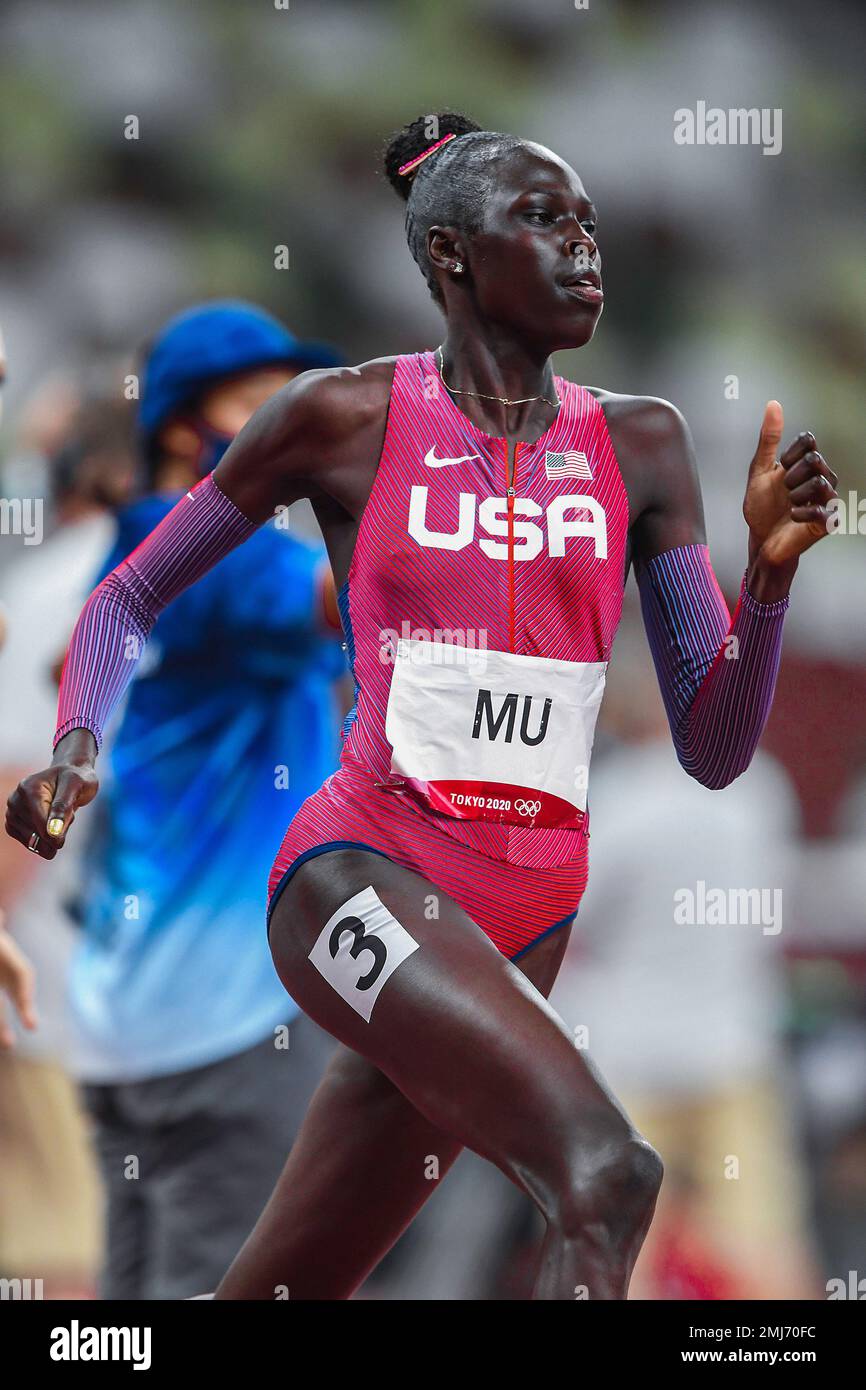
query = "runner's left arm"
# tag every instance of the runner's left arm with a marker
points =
(717, 673)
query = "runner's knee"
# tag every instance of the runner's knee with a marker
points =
(605, 1185)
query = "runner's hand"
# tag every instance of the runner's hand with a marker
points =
(786, 503)
(45, 803)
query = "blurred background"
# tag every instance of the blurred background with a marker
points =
(731, 277)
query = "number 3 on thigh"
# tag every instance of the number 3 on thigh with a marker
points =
(359, 948)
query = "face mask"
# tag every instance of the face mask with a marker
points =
(213, 445)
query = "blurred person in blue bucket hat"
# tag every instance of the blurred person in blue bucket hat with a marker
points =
(204, 370)
(195, 1067)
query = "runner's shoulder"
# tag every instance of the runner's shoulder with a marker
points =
(650, 418)
(331, 403)
(647, 432)
(319, 422)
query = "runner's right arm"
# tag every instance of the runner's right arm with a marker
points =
(267, 465)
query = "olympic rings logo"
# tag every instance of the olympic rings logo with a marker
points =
(527, 808)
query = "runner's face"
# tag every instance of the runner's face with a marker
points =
(538, 235)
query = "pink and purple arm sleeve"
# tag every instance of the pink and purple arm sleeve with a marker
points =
(116, 620)
(717, 674)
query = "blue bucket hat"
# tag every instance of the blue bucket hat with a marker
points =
(210, 342)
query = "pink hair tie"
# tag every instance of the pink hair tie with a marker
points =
(419, 158)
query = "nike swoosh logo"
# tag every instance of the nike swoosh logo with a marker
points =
(433, 462)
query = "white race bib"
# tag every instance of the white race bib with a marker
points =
(493, 736)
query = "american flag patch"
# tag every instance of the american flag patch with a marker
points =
(571, 464)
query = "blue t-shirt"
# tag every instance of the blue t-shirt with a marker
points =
(230, 724)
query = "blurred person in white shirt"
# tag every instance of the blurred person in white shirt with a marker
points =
(49, 1197)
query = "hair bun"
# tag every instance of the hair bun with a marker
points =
(415, 138)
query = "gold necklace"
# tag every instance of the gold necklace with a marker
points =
(503, 400)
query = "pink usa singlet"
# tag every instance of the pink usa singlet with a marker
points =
(472, 789)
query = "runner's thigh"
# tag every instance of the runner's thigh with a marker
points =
(396, 970)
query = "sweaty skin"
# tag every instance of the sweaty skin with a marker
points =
(462, 1048)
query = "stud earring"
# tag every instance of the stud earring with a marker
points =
(457, 267)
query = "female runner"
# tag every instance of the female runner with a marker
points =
(481, 515)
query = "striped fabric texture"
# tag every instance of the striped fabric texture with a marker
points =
(116, 620)
(558, 595)
(514, 905)
(717, 676)
(567, 596)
